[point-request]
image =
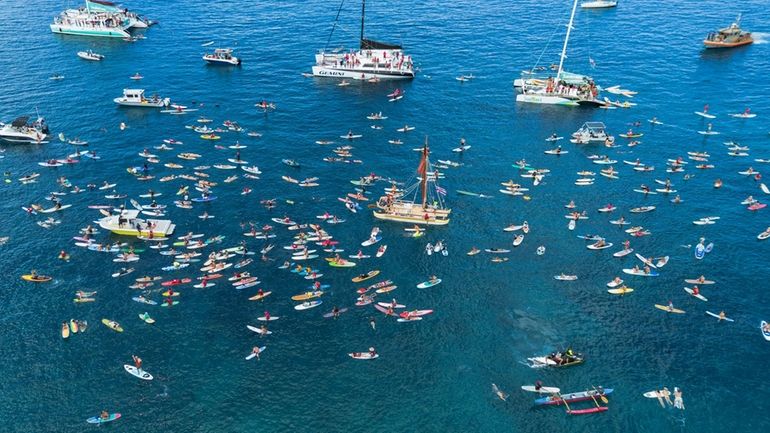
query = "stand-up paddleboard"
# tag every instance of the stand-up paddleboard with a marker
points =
(699, 296)
(726, 319)
(426, 284)
(138, 372)
(265, 319)
(259, 330)
(253, 355)
(620, 291)
(669, 310)
(706, 115)
(100, 420)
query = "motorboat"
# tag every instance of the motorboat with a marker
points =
(136, 98)
(222, 56)
(591, 132)
(90, 55)
(599, 4)
(373, 60)
(128, 223)
(22, 131)
(728, 37)
(98, 18)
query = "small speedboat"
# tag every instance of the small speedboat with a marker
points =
(599, 4)
(90, 55)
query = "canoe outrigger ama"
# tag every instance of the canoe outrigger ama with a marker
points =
(399, 208)
(128, 223)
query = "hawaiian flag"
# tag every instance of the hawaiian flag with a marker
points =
(440, 190)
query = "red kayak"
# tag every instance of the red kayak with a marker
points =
(210, 277)
(175, 282)
(588, 411)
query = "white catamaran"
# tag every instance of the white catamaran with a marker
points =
(374, 60)
(420, 203)
(564, 89)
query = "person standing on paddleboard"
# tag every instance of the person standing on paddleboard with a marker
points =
(137, 362)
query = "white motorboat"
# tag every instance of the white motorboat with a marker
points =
(222, 56)
(21, 131)
(135, 98)
(591, 132)
(128, 223)
(373, 61)
(90, 55)
(599, 4)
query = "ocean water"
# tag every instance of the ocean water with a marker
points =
(434, 375)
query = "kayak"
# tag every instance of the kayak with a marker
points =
(147, 319)
(426, 284)
(307, 295)
(331, 313)
(307, 305)
(100, 420)
(36, 278)
(669, 310)
(727, 319)
(138, 372)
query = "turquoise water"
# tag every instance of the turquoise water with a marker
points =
(432, 375)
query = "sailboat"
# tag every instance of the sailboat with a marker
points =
(565, 89)
(421, 202)
(373, 61)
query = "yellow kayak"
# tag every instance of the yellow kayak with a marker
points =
(65, 330)
(115, 326)
(36, 278)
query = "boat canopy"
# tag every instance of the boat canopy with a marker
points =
(594, 126)
(19, 122)
(369, 44)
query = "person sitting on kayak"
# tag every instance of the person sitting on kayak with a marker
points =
(670, 308)
(104, 415)
(701, 279)
(766, 328)
(137, 362)
(538, 385)
(255, 350)
(722, 315)
(372, 352)
(335, 312)
(647, 270)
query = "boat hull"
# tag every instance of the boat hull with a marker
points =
(545, 100)
(411, 219)
(361, 74)
(715, 44)
(104, 33)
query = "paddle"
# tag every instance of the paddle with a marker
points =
(601, 395)
(564, 401)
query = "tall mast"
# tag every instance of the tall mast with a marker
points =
(363, 13)
(424, 173)
(566, 40)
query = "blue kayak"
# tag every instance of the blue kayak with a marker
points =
(204, 199)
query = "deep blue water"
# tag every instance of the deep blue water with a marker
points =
(434, 375)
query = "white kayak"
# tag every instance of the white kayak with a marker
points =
(252, 355)
(259, 330)
(363, 355)
(727, 319)
(138, 372)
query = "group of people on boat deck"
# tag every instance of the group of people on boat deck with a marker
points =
(586, 90)
(395, 61)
